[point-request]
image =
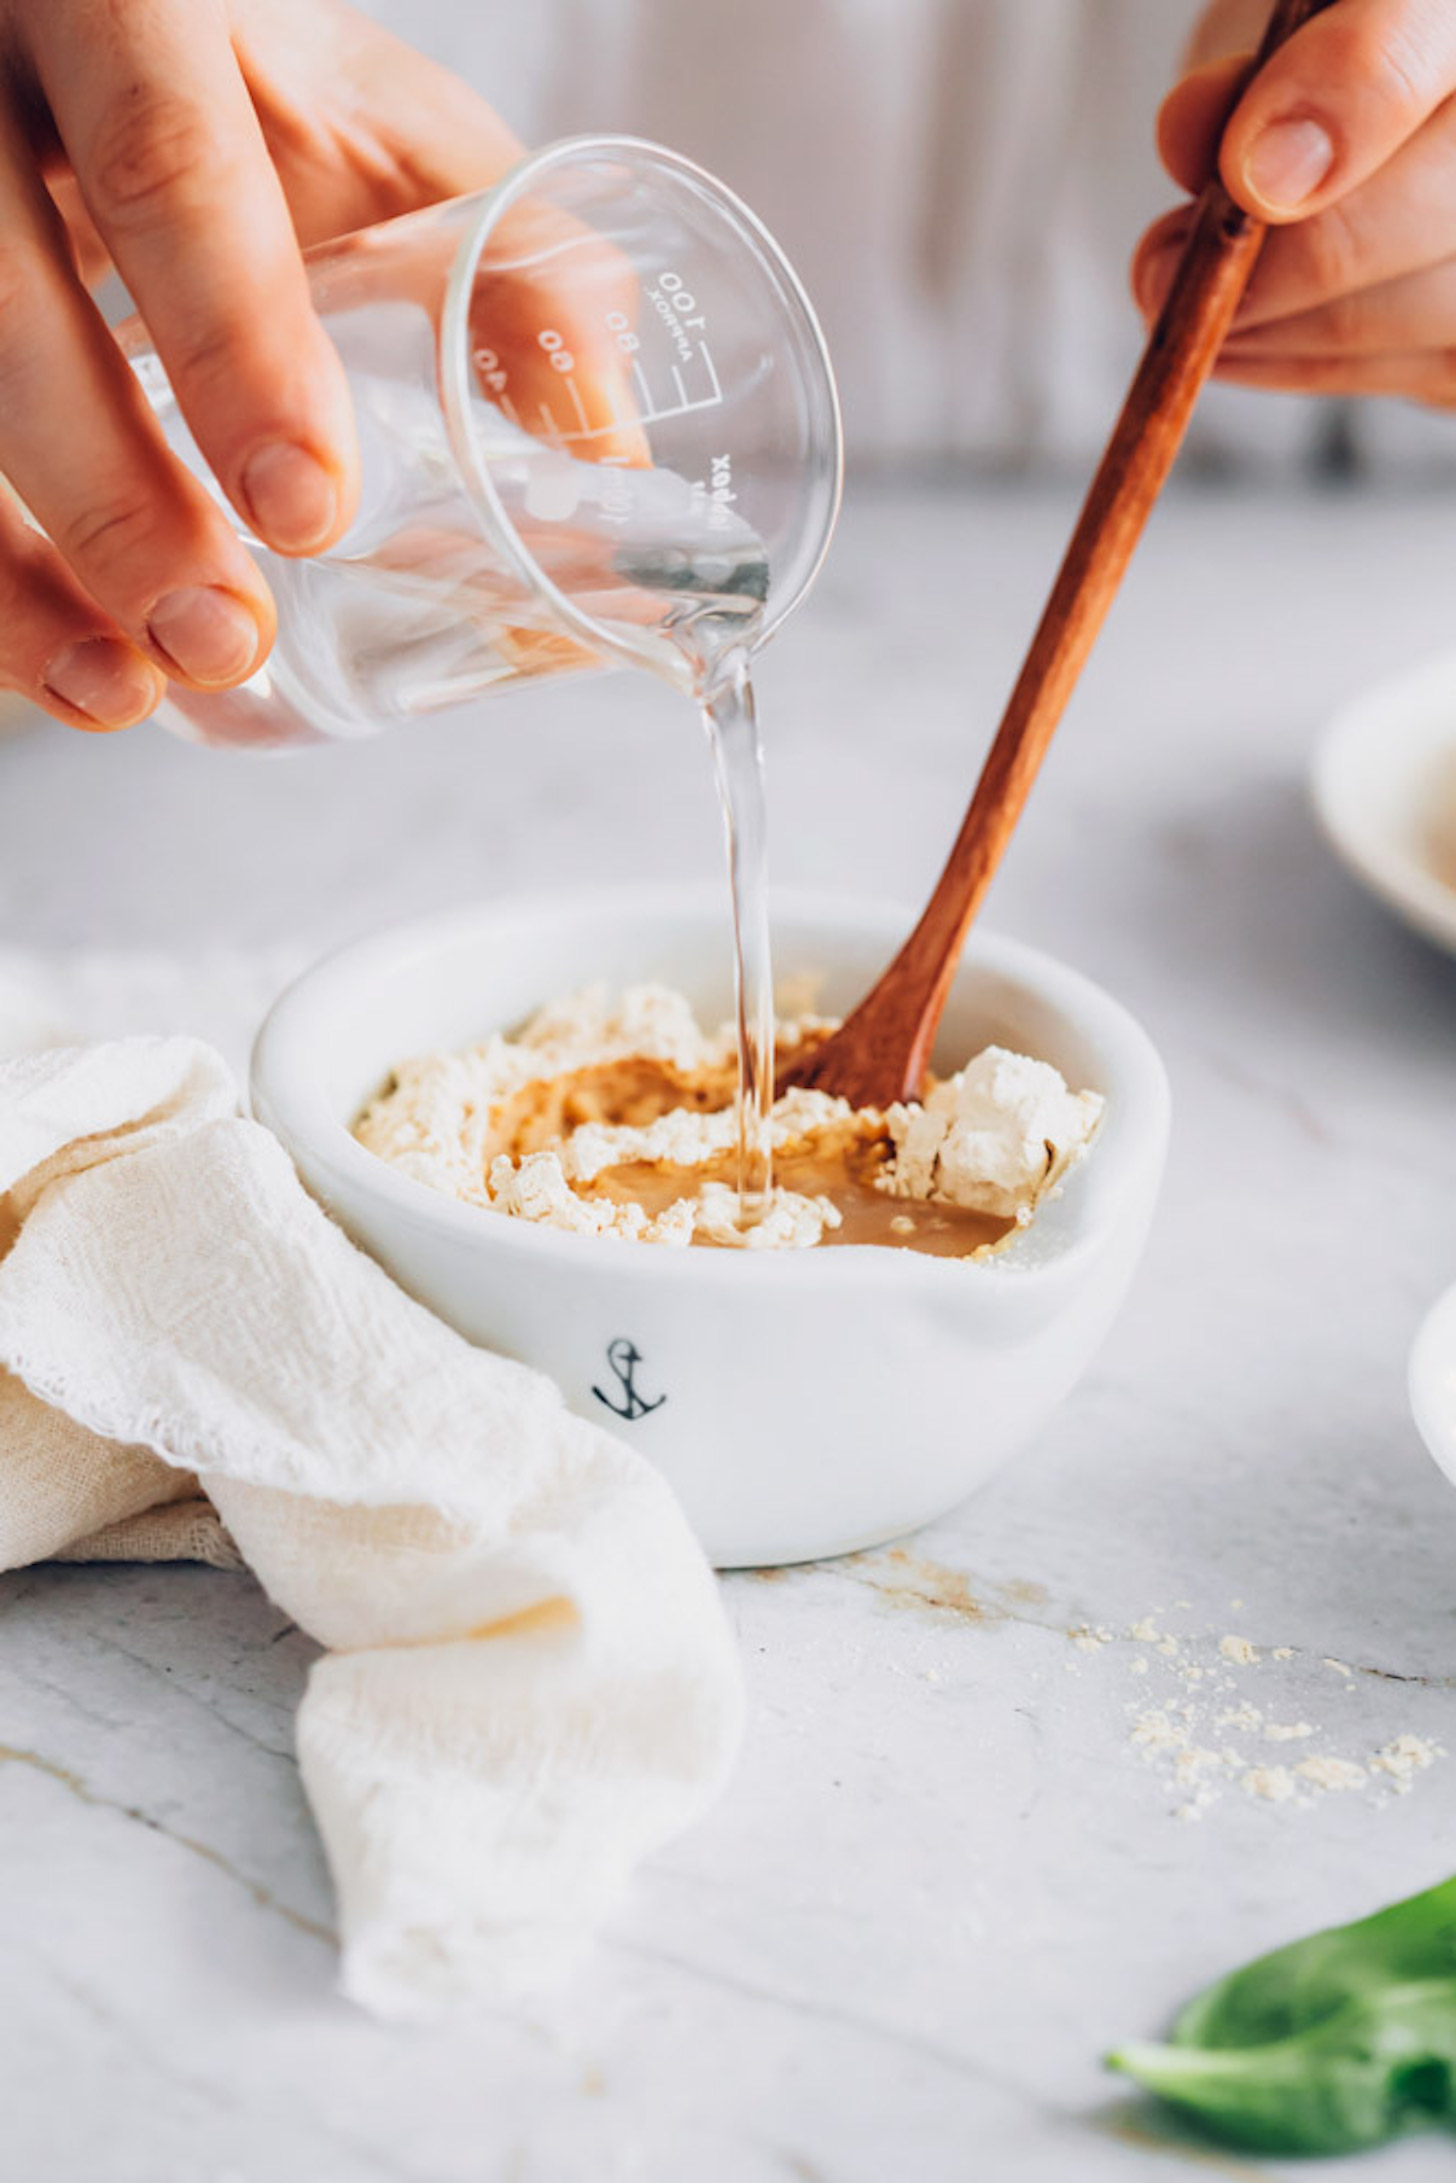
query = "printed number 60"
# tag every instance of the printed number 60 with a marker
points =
(560, 355)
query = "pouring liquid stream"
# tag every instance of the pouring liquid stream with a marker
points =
(711, 573)
(731, 721)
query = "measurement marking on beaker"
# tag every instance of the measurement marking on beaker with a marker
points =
(510, 410)
(597, 432)
(603, 431)
(686, 404)
(645, 417)
(648, 414)
(553, 429)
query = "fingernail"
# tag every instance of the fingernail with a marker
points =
(292, 499)
(1288, 162)
(105, 680)
(206, 633)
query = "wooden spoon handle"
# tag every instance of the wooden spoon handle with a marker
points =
(1181, 352)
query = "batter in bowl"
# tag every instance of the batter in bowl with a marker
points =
(616, 1115)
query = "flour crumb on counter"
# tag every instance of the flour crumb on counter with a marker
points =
(1329, 1773)
(1404, 1758)
(1274, 1784)
(1203, 1748)
(1159, 1732)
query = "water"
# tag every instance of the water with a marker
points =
(712, 575)
(731, 720)
(417, 609)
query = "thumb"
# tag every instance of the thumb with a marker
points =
(1337, 102)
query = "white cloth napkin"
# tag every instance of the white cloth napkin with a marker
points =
(529, 1683)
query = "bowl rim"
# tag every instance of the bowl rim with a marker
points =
(286, 1097)
(1357, 742)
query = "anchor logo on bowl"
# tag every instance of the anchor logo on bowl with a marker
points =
(624, 1357)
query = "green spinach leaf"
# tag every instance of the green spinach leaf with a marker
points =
(1332, 2045)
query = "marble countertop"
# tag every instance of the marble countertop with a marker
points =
(946, 1877)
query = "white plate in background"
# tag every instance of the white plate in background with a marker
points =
(1385, 793)
(1433, 1383)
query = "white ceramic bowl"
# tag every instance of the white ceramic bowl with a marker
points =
(1385, 792)
(1433, 1383)
(806, 1403)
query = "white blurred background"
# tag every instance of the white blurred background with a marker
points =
(960, 183)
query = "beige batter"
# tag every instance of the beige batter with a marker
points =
(613, 1114)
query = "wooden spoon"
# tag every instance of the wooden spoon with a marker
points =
(881, 1052)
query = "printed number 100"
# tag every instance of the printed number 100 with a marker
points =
(682, 302)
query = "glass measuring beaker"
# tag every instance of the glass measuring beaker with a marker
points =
(595, 411)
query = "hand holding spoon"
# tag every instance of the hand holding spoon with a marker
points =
(881, 1052)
